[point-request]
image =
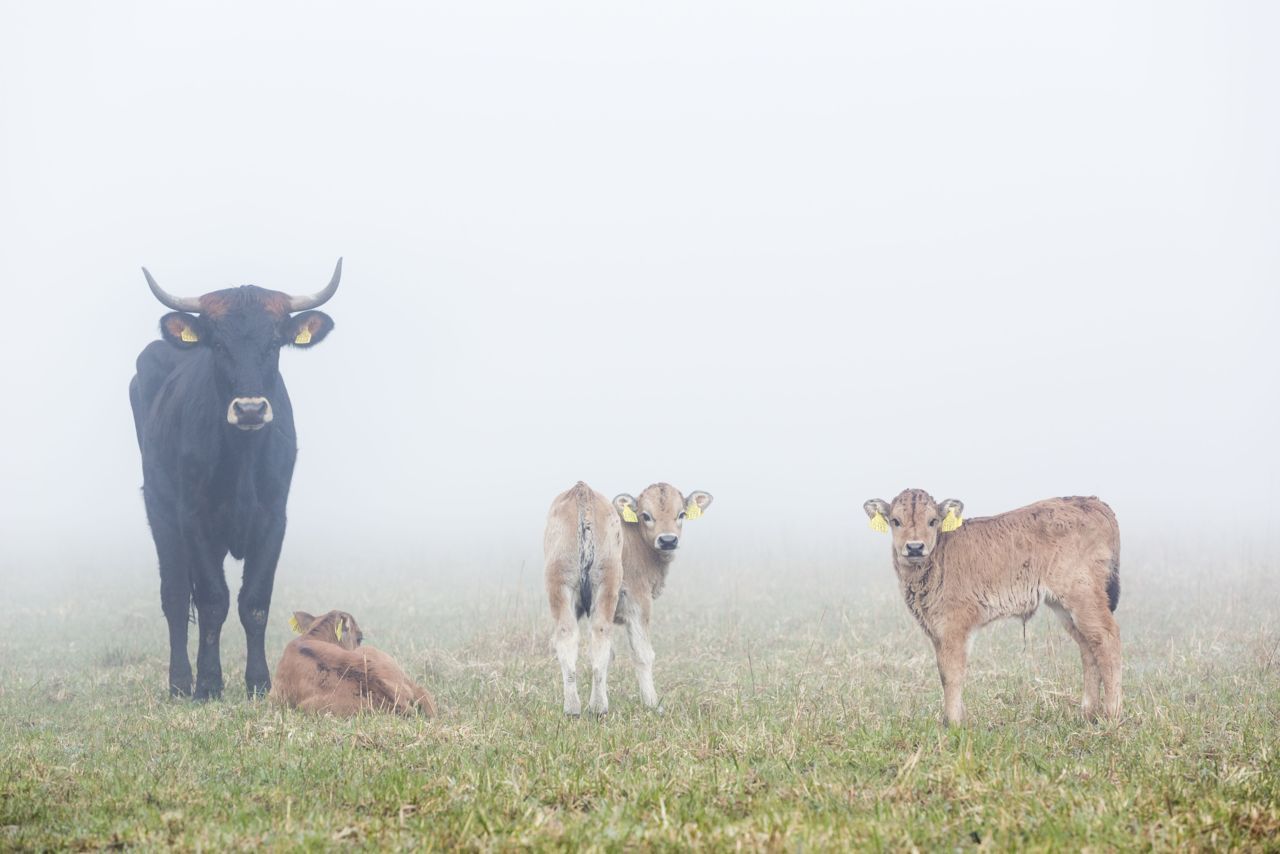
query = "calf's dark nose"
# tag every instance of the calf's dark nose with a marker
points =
(668, 541)
(915, 549)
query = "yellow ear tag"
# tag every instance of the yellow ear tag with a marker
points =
(337, 629)
(293, 624)
(952, 521)
(878, 524)
(188, 335)
(692, 511)
(304, 337)
(629, 515)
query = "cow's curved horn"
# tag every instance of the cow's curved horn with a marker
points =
(175, 303)
(318, 299)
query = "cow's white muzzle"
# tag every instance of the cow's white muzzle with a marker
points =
(249, 413)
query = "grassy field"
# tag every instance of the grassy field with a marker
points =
(800, 712)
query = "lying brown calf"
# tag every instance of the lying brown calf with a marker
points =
(957, 575)
(326, 669)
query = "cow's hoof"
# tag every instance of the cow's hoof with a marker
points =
(181, 692)
(208, 692)
(257, 690)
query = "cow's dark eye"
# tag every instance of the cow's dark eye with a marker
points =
(896, 523)
(646, 517)
(681, 516)
(932, 522)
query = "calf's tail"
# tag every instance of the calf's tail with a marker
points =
(586, 548)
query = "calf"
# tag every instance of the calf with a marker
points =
(608, 563)
(958, 575)
(326, 669)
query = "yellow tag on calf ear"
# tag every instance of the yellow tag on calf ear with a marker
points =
(878, 524)
(337, 629)
(303, 337)
(692, 510)
(293, 624)
(952, 521)
(189, 335)
(629, 515)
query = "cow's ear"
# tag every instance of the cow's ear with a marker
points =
(878, 512)
(181, 329)
(952, 511)
(696, 503)
(626, 507)
(306, 329)
(300, 622)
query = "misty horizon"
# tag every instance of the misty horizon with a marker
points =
(1000, 257)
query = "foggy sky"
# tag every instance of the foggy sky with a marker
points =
(795, 254)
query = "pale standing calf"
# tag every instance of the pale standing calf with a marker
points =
(958, 577)
(608, 563)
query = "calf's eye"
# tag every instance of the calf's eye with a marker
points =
(646, 517)
(932, 522)
(896, 523)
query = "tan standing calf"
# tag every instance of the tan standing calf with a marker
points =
(325, 669)
(608, 562)
(957, 577)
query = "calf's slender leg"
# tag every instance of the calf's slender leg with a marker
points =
(1103, 635)
(1092, 674)
(600, 641)
(565, 639)
(952, 661)
(637, 623)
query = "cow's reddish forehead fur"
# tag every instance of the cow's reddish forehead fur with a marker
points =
(220, 303)
(661, 497)
(911, 502)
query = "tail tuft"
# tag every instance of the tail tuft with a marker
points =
(586, 548)
(1113, 587)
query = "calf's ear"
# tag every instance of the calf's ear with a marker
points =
(626, 507)
(874, 506)
(878, 512)
(300, 622)
(306, 329)
(952, 514)
(181, 329)
(696, 503)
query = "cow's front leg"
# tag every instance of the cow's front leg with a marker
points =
(255, 602)
(213, 601)
(952, 660)
(642, 651)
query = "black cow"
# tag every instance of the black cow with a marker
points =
(216, 433)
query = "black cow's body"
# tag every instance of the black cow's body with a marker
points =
(212, 487)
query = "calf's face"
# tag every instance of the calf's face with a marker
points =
(660, 513)
(915, 521)
(336, 627)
